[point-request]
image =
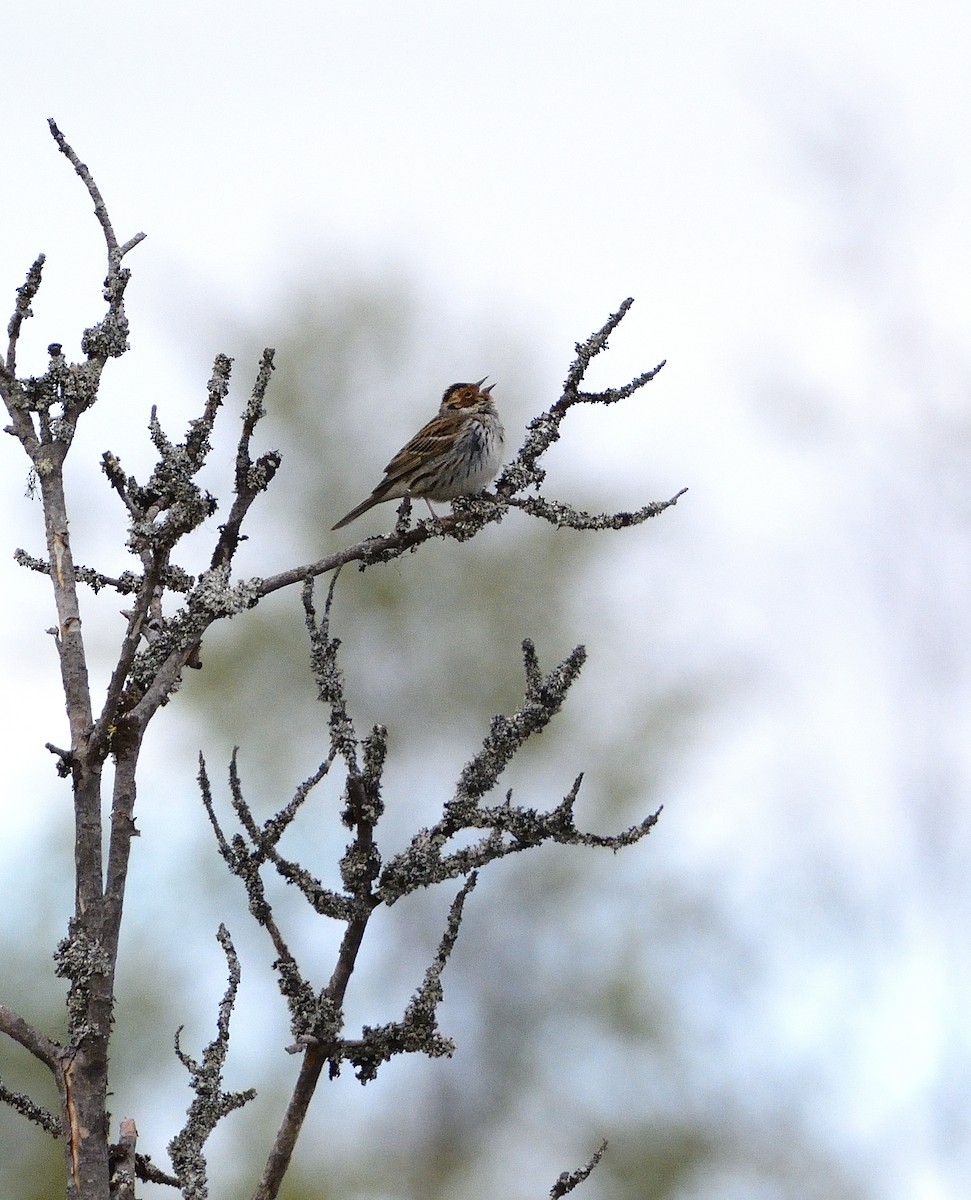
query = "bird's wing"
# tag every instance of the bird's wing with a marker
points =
(430, 442)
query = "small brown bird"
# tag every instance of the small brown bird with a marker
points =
(456, 454)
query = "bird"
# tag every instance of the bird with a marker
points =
(456, 454)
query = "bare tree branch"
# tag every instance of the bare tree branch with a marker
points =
(31, 1111)
(44, 413)
(25, 295)
(115, 252)
(123, 1162)
(210, 1103)
(251, 477)
(569, 1180)
(524, 471)
(32, 1040)
(124, 584)
(146, 1170)
(278, 1160)
(156, 647)
(316, 1019)
(418, 1030)
(565, 516)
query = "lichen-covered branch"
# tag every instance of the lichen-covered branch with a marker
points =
(169, 614)
(317, 1017)
(210, 1103)
(22, 310)
(30, 1110)
(163, 511)
(543, 699)
(251, 477)
(146, 1170)
(571, 1179)
(417, 1031)
(565, 516)
(472, 513)
(511, 829)
(524, 471)
(44, 412)
(125, 584)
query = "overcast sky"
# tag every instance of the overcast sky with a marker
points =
(784, 189)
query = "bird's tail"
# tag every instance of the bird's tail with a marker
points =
(356, 512)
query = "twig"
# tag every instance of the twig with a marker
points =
(569, 1180)
(67, 760)
(31, 1111)
(544, 430)
(274, 827)
(210, 1103)
(32, 1040)
(511, 830)
(124, 584)
(213, 596)
(417, 1031)
(115, 252)
(146, 1170)
(565, 516)
(251, 478)
(542, 701)
(244, 865)
(22, 310)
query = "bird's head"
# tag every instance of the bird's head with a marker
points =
(468, 397)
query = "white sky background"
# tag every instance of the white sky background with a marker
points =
(785, 189)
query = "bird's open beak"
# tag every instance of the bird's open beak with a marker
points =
(482, 381)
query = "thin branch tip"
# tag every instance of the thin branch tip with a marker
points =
(571, 1179)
